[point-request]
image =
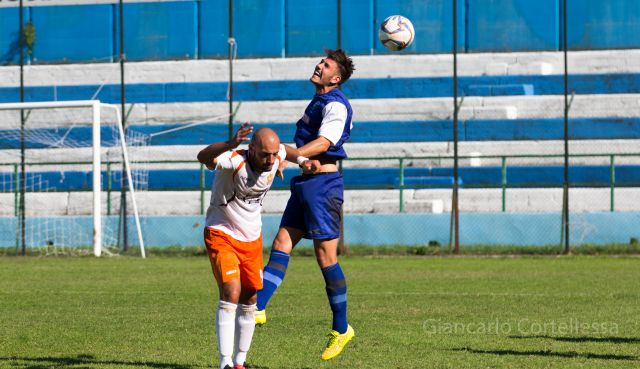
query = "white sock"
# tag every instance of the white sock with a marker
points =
(225, 328)
(245, 325)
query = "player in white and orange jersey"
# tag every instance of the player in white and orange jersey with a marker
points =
(233, 231)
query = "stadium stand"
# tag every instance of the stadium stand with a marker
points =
(511, 134)
(401, 110)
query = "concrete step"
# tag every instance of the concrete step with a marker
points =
(411, 206)
(365, 110)
(356, 201)
(396, 109)
(472, 150)
(470, 64)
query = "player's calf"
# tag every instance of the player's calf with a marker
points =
(272, 277)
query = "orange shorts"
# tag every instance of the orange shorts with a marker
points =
(232, 259)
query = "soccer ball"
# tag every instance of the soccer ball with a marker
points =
(396, 32)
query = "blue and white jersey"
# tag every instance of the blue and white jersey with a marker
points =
(327, 115)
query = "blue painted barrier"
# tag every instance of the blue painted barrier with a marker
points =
(597, 24)
(9, 35)
(365, 132)
(429, 131)
(311, 27)
(356, 23)
(512, 25)
(158, 31)
(432, 21)
(514, 229)
(533, 176)
(359, 88)
(214, 29)
(67, 34)
(257, 28)
(271, 28)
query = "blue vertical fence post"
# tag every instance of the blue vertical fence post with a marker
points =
(401, 186)
(612, 170)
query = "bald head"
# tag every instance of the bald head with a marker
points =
(263, 149)
(265, 137)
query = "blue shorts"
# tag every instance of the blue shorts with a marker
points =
(315, 204)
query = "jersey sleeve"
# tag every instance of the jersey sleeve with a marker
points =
(334, 117)
(282, 153)
(224, 161)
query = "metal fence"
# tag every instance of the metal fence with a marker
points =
(505, 122)
(501, 192)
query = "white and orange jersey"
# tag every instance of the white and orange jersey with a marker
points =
(237, 193)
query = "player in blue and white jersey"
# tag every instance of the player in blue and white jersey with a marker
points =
(314, 208)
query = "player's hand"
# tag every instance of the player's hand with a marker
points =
(280, 171)
(311, 166)
(241, 135)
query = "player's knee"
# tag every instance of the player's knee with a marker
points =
(282, 243)
(248, 297)
(232, 298)
(230, 293)
(324, 260)
(326, 254)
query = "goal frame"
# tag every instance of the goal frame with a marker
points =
(95, 106)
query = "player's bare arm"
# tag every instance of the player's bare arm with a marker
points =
(315, 148)
(317, 162)
(208, 155)
(292, 153)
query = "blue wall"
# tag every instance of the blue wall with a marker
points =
(432, 21)
(603, 24)
(524, 229)
(470, 177)
(273, 28)
(372, 132)
(513, 25)
(57, 36)
(359, 88)
(157, 31)
(311, 26)
(9, 32)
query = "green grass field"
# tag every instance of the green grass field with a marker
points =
(408, 312)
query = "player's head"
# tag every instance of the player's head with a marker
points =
(263, 149)
(333, 70)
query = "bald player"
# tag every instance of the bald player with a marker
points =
(233, 231)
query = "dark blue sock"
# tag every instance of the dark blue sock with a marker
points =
(336, 287)
(272, 276)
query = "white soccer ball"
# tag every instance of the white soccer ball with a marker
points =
(396, 32)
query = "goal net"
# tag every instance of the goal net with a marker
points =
(62, 168)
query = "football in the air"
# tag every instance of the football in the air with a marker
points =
(396, 32)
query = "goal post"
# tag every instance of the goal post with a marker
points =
(96, 123)
(125, 154)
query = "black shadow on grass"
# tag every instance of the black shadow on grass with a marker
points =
(81, 362)
(585, 339)
(87, 362)
(548, 353)
(250, 366)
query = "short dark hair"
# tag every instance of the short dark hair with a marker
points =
(345, 64)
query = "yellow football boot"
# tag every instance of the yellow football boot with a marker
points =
(261, 317)
(337, 342)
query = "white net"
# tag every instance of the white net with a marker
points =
(58, 179)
